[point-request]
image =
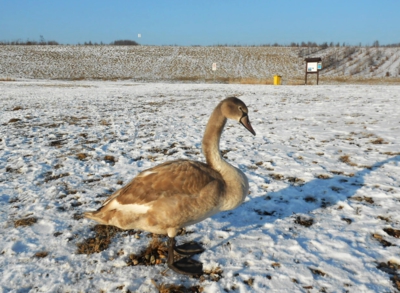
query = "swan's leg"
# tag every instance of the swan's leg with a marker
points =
(189, 248)
(185, 265)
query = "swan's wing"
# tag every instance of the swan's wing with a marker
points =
(180, 177)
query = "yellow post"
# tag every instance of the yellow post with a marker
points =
(277, 80)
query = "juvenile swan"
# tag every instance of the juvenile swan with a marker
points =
(179, 193)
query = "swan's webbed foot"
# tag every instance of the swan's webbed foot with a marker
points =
(189, 248)
(186, 266)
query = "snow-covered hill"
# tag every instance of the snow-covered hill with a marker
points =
(194, 64)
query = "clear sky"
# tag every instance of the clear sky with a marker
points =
(201, 22)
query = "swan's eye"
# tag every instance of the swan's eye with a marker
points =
(240, 108)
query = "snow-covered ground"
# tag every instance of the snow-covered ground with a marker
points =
(324, 170)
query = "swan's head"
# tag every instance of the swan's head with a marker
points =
(235, 109)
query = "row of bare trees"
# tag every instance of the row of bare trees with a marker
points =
(44, 42)
(308, 44)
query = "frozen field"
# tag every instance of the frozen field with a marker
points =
(324, 170)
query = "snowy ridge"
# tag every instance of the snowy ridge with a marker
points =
(324, 173)
(193, 64)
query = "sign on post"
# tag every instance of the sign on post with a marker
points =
(214, 66)
(313, 65)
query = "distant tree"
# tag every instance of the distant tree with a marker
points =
(324, 45)
(42, 40)
(375, 44)
(124, 43)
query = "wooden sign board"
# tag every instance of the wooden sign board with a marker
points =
(313, 65)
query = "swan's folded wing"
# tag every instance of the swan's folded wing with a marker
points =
(180, 177)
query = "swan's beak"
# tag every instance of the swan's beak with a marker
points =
(246, 123)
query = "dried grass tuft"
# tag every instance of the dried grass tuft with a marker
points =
(346, 159)
(25, 222)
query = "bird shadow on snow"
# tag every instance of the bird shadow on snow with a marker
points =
(295, 201)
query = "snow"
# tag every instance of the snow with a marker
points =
(296, 166)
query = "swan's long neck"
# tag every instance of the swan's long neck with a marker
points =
(212, 135)
(236, 184)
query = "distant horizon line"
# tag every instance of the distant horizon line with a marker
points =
(134, 43)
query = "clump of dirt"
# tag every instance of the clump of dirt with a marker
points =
(347, 220)
(323, 176)
(393, 269)
(25, 222)
(310, 199)
(57, 143)
(155, 254)
(379, 140)
(110, 159)
(296, 180)
(172, 288)
(364, 198)
(392, 232)
(81, 156)
(100, 242)
(41, 254)
(381, 240)
(249, 282)
(277, 176)
(346, 159)
(215, 274)
(55, 177)
(306, 222)
(264, 213)
(317, 272)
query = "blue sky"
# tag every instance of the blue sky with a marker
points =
(204, 22)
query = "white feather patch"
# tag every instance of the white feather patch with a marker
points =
(131, 208)
(146, 173)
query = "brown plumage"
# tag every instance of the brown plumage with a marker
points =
(179, 193)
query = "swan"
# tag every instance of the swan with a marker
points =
(179, 193)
